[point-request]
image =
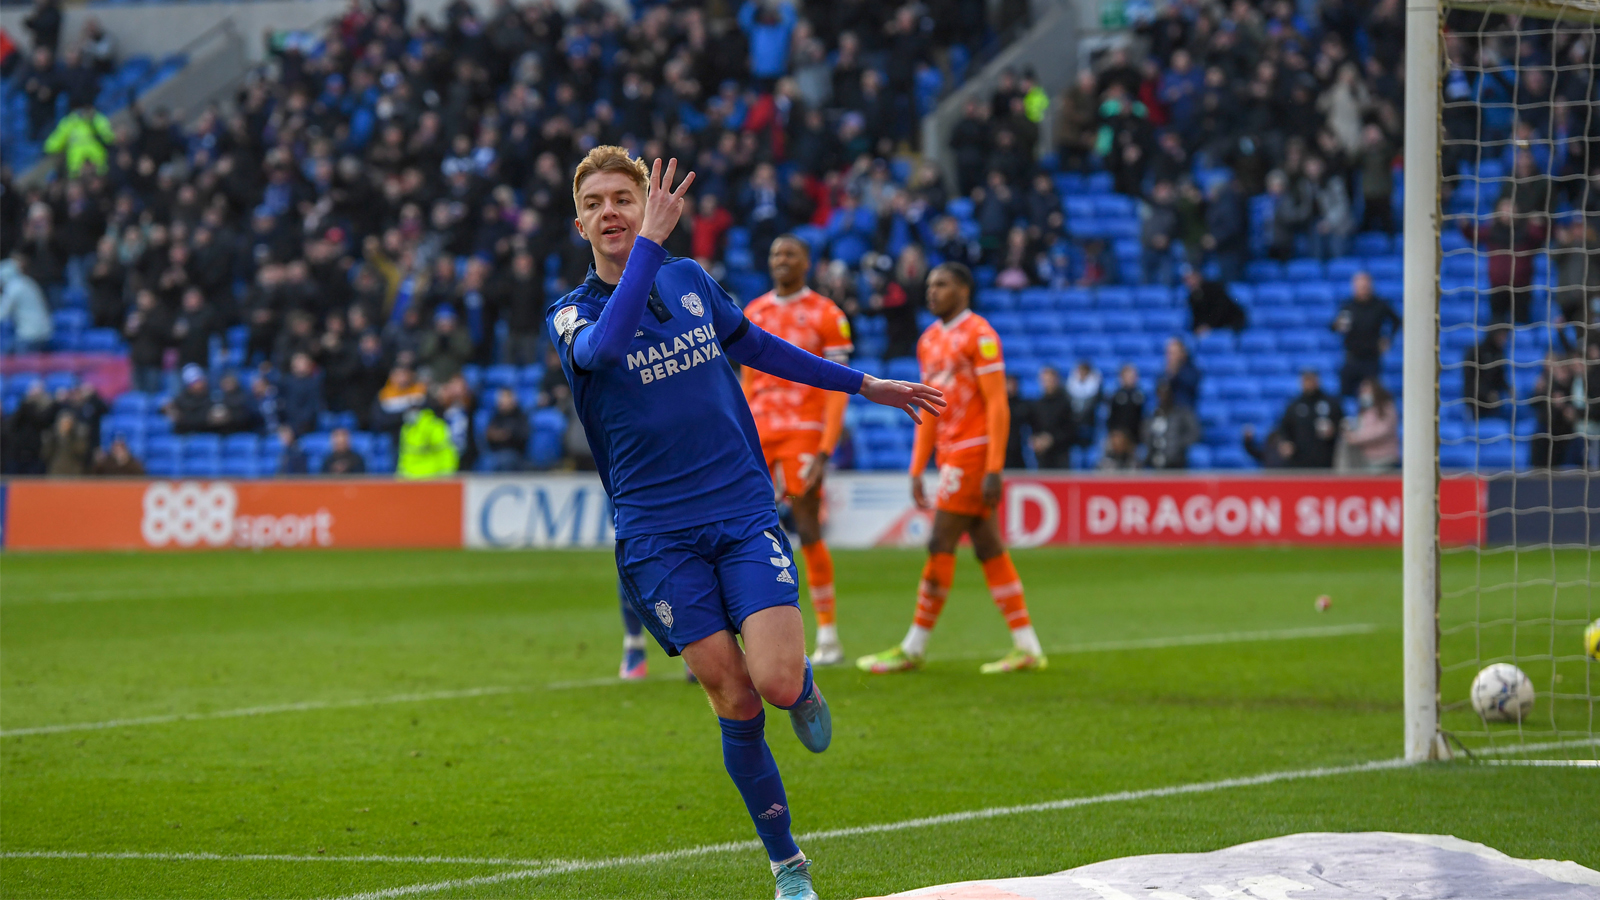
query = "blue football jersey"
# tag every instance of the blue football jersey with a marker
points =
(671, 431)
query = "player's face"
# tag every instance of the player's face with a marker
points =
(787, 262)
(610, 211)
(946, 295)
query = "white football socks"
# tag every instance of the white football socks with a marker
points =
(916, 642)
(778, 864)
(633, 641)
(827, 634)
(1026, 641)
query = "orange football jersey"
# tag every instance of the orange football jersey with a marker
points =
(952, 357)
(813, 323)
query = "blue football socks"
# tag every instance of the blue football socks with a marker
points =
(630, 622)
(755, 773)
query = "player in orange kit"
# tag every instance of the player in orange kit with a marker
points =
(800, 425)
(960, 355)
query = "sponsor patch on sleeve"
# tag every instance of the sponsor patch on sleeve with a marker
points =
(844, 326)
(989, 347)
(567, 322)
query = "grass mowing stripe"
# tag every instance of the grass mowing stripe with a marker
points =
(191, 591)
(1229, 637)
(270, 857)
(567, 867)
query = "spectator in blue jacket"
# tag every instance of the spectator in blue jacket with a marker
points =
(1181, 376)
(768, 25)
(301, 394)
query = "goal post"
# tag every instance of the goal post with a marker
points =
(1501, 371)
(1420, 383)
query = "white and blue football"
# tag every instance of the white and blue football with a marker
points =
(1502, 693)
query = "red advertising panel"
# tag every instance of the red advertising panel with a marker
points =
(184, 515)
(1225, 510)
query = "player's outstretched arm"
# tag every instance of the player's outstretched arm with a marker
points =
(750, 346)
(606, 343)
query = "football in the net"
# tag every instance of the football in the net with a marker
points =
(1591, 639)
(1502, 693)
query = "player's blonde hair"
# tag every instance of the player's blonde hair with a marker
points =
(610, 158)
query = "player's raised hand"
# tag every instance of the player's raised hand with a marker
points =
(664, 205)
(907, 395)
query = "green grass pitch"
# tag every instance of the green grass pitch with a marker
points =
(552, 760)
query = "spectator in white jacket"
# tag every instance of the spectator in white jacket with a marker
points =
(22, 303)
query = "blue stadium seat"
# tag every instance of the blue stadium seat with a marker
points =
(1231, 456)
(1371, 243)
(1262, 270)
(315, 444)
(1077, 209)
(1216, 342)
(1343, 268)
(1120, 321)
(472, 374)
(1152, 296)
(1091, 345)
(1098, 183)
(1042, 322)
(1318, 293)
(530, 376)
(1005, 322)
(201, 445)
(1274, 293)
(1052, 349)
(200, 467)
(1226, 364)
(996, 300)
(161, 466)
(240, 445)
(500, 376)
(56, 381)
(1114, 297)
(1110, 206)
(1036, 300)
(1383, 268)
(1297, 341)
(1165, 322)
(1135, 344)
(1303, 269)
(1075, 298)
(904, 369)
(1270, 364)
(1256, 341)
(1199, 457)
(240, 467)
(156, 423)
(131, 402)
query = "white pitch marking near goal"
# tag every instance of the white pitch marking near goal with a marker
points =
(1285, 634)
(537, 868)
(178, 591)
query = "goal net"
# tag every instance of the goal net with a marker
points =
(1503, 506)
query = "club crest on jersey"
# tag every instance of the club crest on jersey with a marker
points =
(988, 346)
(691, 302)
(664, 612)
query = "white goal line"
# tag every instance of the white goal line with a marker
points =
(1231, 637)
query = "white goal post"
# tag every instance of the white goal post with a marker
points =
(1536, 615)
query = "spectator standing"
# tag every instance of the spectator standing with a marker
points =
(1293, 204)
(192, 329)
(1372, 441)
(231, 408)
(80, 139)
(1076, 114)
(65, 447)
(1556, 404)
(1084, 389)
(1227, 236)
(265, 407)
(1510, 244)
(23, 304)
(1181, 375)
(768, 24)
(117, 461)
(507, 434)
(1575, 258)
(1368, 324)
(1157, 228)
(1126, 413)
(1485, 380)
(27, 425)
(446, 348)
(1169, 432)
(708, 226)
(1309, 428)
(1054, 426)
(341, 459)
(519, 295)
(1210, 304)
(44, 22)
(190, 410)
(1333, 220)
(1377, 180)
(425, 447)
(1020, 433)
(301, 393)
(368, 372)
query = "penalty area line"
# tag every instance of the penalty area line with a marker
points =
(269, 857)
(314, 705)
(563, 867)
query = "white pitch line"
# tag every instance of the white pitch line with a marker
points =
(271, 857)
(561, 867)
(1577, 763)
(1229, 637)
(310, 706)
(1509, 749)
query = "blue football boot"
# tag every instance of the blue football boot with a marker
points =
(813, 724)
(635, 666)
(794, 880)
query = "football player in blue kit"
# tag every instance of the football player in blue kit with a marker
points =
(645, 343)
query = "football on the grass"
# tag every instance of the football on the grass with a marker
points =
(1502, 693)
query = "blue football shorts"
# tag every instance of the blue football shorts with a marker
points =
(690, 584)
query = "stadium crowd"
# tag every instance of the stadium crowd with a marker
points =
(385, 213)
